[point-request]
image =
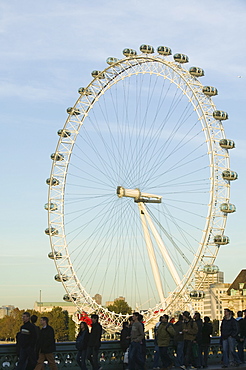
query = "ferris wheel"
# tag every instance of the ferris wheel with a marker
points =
(139, 190)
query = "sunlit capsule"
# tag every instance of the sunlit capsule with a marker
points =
(164, 50)
(51, 231)
(73, 111)
(197, 294)
(209, 90)
(55, 256)
(84, 91)
(181, 58)
(98, 74)
(211, 269)
(221, 239)
(220, 115)
(227, 208)
(57, 157)
(129, 52)
(52, 181)
(112, 60)
(147, 49)
(196, 71)
(229, 175)
(60, 278)
(227, 144)
(50, 206)
(63, 133)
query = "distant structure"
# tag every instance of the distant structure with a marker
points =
(98, 298)
(109, 303)
(235, 299)
(48, 306)
(6, 310)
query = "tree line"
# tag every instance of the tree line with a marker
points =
(61, 322)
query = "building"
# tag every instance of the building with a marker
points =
(110, 303)
(6, 310)
(43, 307)
(98, 299)
(235, 297)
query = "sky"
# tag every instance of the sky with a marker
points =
(48, 50)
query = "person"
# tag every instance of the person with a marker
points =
(144, 350)
(197, 343)
(179, 341)
(46, 345)
(190, 331)
(135, 349)
(164, 333)
(82, 344)
(34, 319)
(207, 331)
(156, 350)
(94, 342)
(26, 340)
(241, 336)
(125, 342)
(229, 330)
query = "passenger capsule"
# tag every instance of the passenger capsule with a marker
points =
(221, 239)
(220, 115)
(197, 294)
(57, 157)
(209, 90)
(63, 133)
(51, 231)
(211, 269)
(50, 206)
(73, 111)
(129, 52)
(84, 91)
(196, 71)
(67, 298)
(164, 50)
(147, 49)
(55, 255)
(98, 74)
(227, 208)
(52, 181)
(60, 278)
(181, 58)
(227, 144)
(112, 60)
(229, 175)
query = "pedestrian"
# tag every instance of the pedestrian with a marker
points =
(94, 342)
(207, 331)
(190, 331)
(34, 319)
(26, 340)
(144, 350)
(164, 334)
(46, 345)
(82, 344)
(135, 349)
(229, 330)
(179, 341)
(156, 349)
(125, 342)
(240, 336)
(197, 343)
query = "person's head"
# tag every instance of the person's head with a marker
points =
(206, 319)
(34, 319)
(164, 318)
(186, 315)
(26, 317)
(180, 317)
(244, 312)
(94, 318)
(239, 313)
(125, 324)
(227, 313)
(135, 316)
(140, 317)
(83, 326)
(44, 321)
(131, 320)
(197, 316)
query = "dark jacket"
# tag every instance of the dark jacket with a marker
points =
(27, 336)
(178, 327)
(207, 331)
(82, 340)
(46, 343)
(124, 339)
(191, 328)
(229, 328)
(199, 324)
(95, 335)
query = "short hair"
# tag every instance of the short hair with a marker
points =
(136, 314)
(27, 314)
(130, 318)
(94, 316)
(186, 314)
(198, 315)
(180, 317)
(140, 317)
(166, 316)
(206, 319)
(45, 319)
(34, 318)
(240, 313)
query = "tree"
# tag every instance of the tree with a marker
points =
(58, 319)
(120, 306)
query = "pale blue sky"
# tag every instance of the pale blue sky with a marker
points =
(48, 50)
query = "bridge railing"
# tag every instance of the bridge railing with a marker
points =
(111, 356)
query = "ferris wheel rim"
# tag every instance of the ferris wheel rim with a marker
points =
(128, 61)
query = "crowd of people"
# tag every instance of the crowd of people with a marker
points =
(188, 338)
